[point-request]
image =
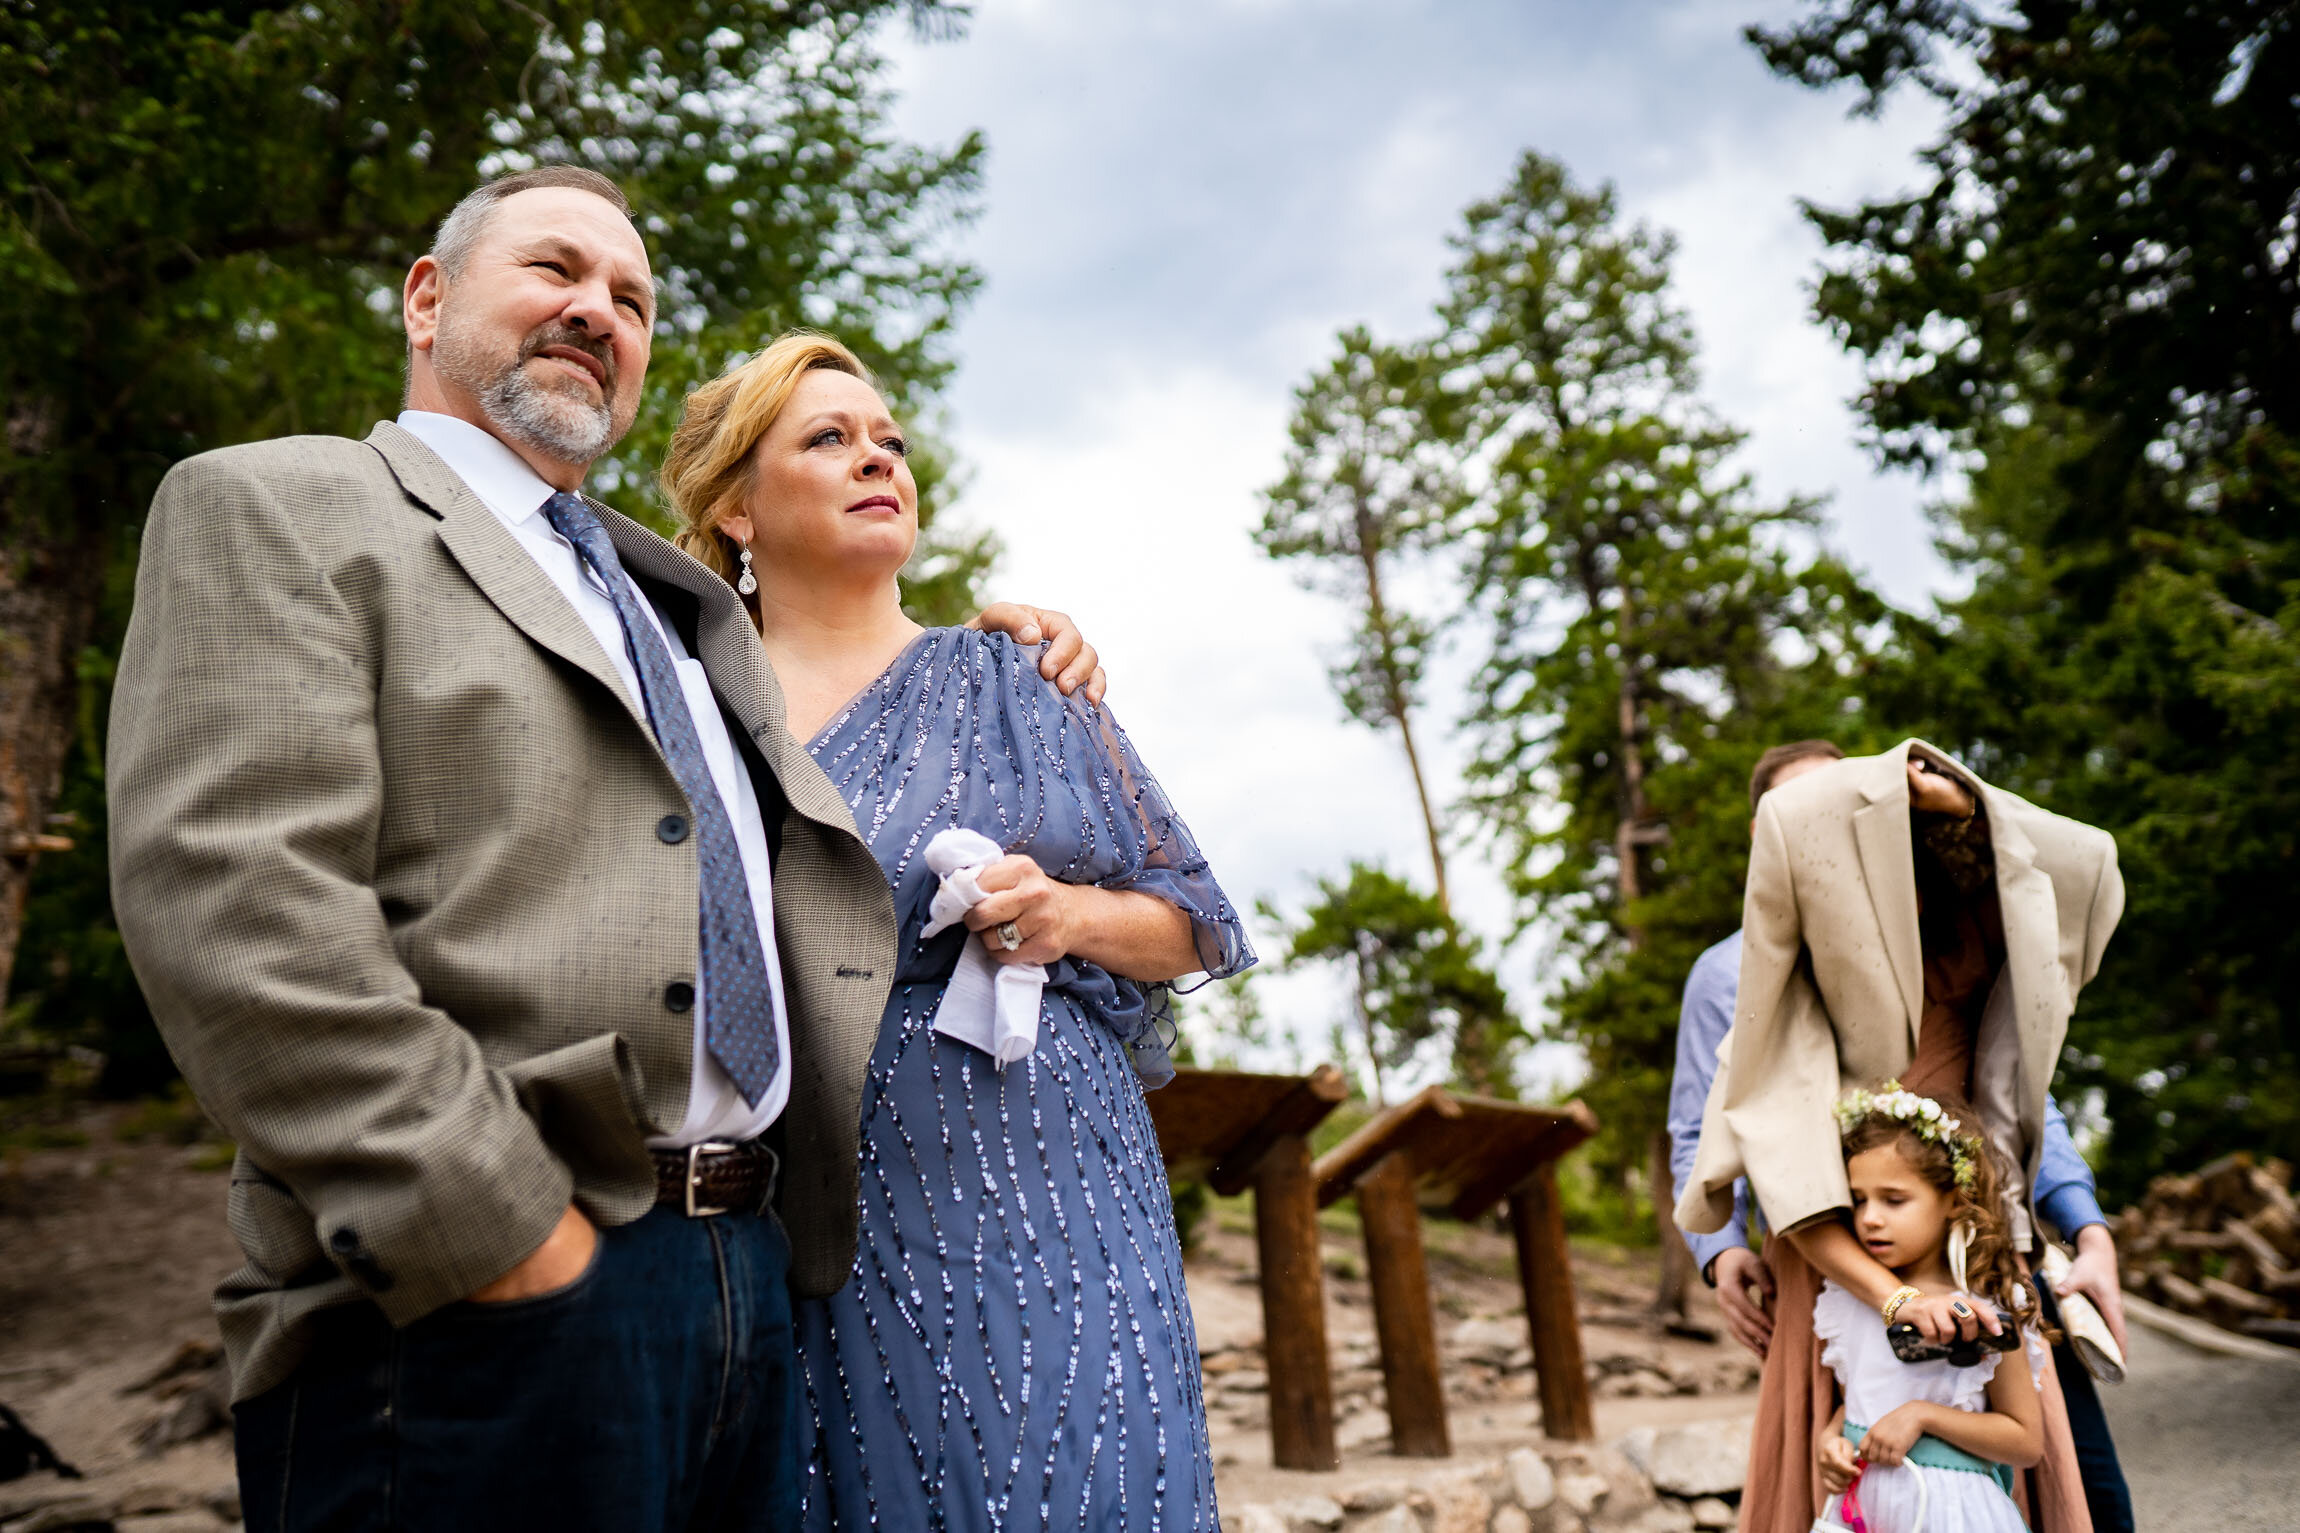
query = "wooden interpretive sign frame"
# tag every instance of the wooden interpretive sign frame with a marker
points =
(1463, 1154)
(1238, 1130)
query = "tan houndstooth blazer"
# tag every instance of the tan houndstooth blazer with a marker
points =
(384, 855)
(1832, 979)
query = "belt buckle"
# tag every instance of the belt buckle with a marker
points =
(695, 1154)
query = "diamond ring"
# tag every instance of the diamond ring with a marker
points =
(1009, 935)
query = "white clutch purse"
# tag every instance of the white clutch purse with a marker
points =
(2088, 1334)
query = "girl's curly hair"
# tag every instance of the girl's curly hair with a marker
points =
(1993, 1270)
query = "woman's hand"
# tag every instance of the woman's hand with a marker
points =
(1936, 792)
(1020, 895)
(1890, 1440)
(1942, 1318)
(1839, 1462)
(1134, 935)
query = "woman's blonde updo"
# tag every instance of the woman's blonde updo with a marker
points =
(707, 473)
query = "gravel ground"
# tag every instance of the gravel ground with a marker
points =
(2210, 1444)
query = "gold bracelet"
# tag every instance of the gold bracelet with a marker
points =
(1892, 1306)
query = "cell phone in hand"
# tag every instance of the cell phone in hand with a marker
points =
(1910, 1346)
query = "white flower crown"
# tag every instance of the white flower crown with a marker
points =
(1922, 1116)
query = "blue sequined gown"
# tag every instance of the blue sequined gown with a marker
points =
(1014, 1350)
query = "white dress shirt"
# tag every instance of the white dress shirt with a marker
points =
(516, 493)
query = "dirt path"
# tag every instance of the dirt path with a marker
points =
(2210, 1444)
(107, 1254)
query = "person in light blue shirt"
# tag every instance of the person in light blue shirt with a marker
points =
(2064, 1193)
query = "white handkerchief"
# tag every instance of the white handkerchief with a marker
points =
(989, 1005)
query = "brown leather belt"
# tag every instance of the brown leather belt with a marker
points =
(716, 1177)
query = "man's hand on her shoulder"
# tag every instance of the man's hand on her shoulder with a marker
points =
(1069, 661)
(551, 1266)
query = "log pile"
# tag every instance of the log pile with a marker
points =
(2222, 1244)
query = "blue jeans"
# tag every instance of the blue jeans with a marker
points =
(655, 1394)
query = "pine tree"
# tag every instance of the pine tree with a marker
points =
(1648, 625)
(208, 212)
(2092, 301)
(1367, 487)
(1414, 976)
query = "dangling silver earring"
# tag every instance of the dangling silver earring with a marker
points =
(749, 582)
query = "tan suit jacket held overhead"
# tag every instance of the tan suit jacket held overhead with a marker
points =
(1832, 981)
(384, 852)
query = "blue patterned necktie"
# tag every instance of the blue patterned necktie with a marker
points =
(738, 1007)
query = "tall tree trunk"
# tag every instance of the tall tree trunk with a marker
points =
(1629, 844)
(1676, 1256)
(1627, 837)
(1429, 814)
(1366, 1027)
(1394, 696)
(50, 588)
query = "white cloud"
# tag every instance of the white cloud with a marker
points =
(1186, 200)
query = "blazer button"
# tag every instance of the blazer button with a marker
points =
(679, 996)
(671, 829)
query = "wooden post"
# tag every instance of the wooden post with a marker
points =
(1294, 1309)
(1537, 1219)
(1410, 1377)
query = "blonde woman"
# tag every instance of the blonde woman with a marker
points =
(1012, 1345)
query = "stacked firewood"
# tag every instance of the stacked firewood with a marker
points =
(2223, 1244)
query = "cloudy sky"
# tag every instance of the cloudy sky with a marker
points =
(1187, 199)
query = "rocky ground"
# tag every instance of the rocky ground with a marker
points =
(1672, 1408)
(107, 1347)
(108, 1248)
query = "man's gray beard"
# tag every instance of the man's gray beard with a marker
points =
(569, 429)
(559, 425)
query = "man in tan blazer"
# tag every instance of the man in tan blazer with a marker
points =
(486, 902)
(1832, 982)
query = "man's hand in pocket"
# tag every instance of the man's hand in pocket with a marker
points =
(551, 1266)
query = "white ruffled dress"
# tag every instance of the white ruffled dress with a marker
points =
(1875, 1383)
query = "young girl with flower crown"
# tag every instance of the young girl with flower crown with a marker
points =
(1928, 1440)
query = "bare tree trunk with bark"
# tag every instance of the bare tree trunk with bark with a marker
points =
(1676, 1256)
(50, 588)
(1630, 841)
(1366, 1025)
